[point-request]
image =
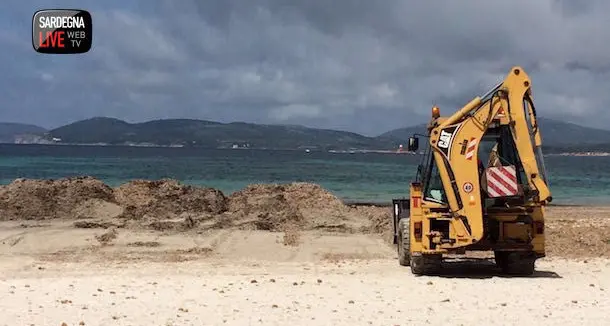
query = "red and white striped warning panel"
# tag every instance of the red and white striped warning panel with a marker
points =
(502, 181)
(500, 113)
(472, 146)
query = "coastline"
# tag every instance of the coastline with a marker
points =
(168, 205)
(304, 149)
(579, 154)
(78, 252)
(389, 204)
(355, 201)
(23, 195)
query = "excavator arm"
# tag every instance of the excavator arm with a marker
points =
(526, 135)
(455, 141)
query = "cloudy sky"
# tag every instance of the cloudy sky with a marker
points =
(358, 65)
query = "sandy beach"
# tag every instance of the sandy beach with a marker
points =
(268, 255)
(251, 278)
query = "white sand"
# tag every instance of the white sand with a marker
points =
(358, 293)
(155, 286)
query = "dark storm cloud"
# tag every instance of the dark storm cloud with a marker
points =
(366, 66)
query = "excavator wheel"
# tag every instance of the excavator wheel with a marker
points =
(420, 265)
(404, 244)
(515, 263)
(426, 264)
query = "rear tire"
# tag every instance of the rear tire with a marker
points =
(516, 263)
(426, 264)
(404, 242)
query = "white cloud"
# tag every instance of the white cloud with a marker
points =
(340, 64)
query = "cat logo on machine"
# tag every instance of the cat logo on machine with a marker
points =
(444, 139)
(467, 187)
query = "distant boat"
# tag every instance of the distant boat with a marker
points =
(307, 151)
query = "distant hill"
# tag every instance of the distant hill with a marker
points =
(557, 135)
(9, 131)
(554, 133)
(211, 134)
(403, 134)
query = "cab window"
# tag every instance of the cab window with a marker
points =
(434, 190)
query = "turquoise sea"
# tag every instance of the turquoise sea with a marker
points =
(370, 177)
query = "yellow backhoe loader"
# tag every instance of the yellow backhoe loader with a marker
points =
(457, 204)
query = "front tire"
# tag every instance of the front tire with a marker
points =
(404, 242)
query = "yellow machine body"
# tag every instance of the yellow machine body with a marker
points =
(459, 203)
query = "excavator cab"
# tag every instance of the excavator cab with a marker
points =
(481, 184)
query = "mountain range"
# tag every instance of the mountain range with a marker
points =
(212, 134)
(554, 133)
(9, 130)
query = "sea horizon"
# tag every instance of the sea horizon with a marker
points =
(359, 177)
